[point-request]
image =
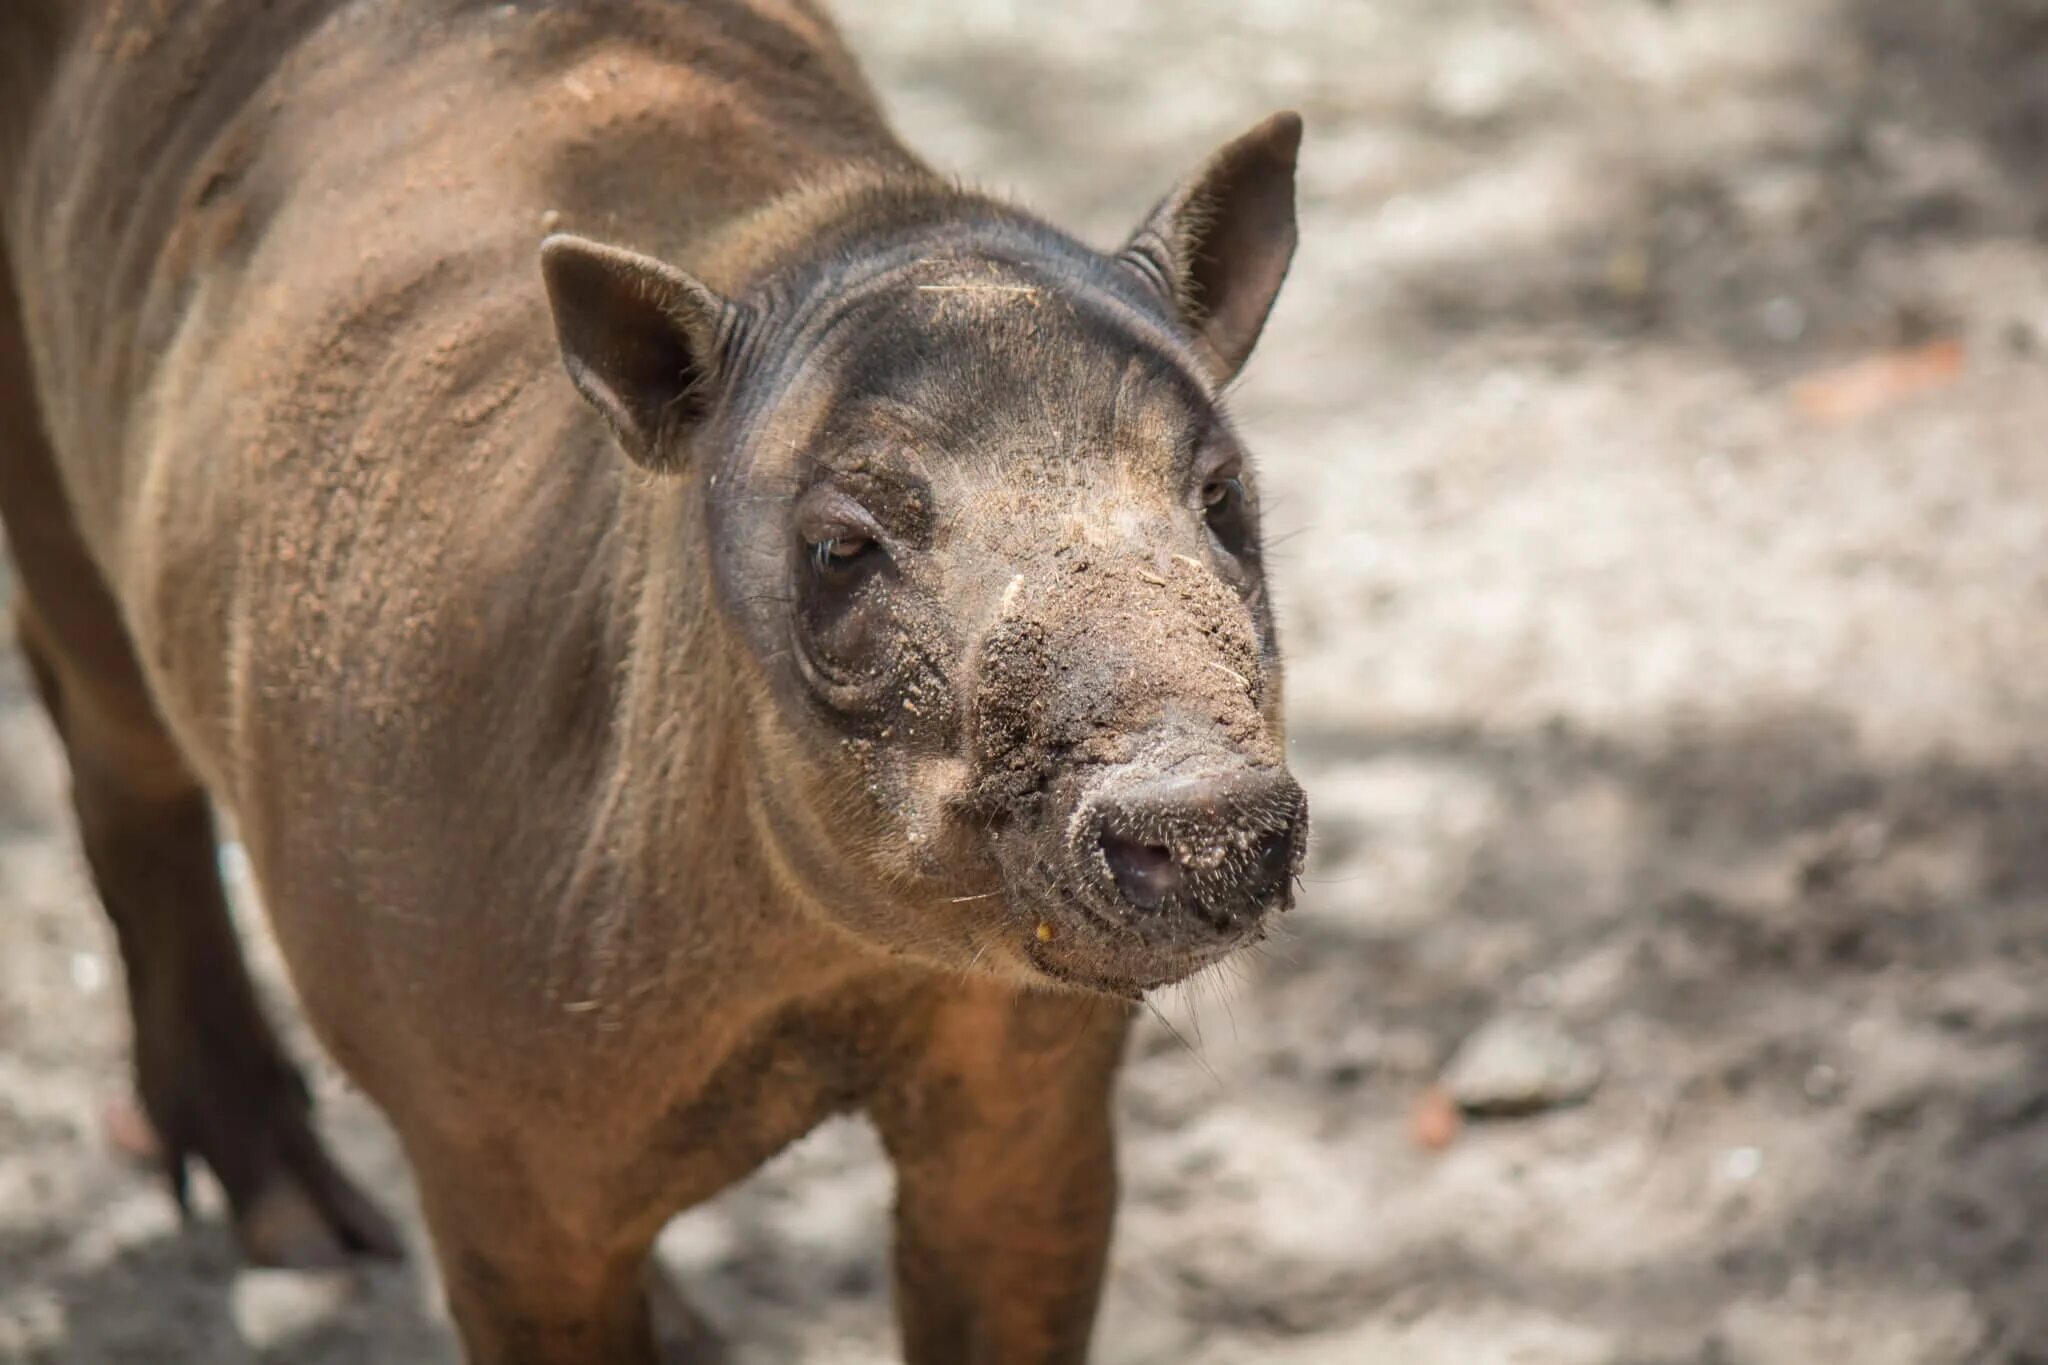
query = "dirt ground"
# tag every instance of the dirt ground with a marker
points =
(1666, 662)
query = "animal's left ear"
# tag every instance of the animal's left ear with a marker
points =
(644, 343)
(1218, 246)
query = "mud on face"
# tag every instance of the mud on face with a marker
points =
(981, 521)
(1037, 670)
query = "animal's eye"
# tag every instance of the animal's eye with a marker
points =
(841, 551)
(1219, 495)
(1223, 509)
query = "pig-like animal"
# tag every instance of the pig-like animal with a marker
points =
(847, 690)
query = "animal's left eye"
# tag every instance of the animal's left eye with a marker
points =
(1219, 495)
(1223, 509)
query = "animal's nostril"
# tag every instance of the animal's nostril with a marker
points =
(1146, 874)
(1276, 857)
(1214, 849)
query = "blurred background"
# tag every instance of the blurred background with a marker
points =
(1655, 430)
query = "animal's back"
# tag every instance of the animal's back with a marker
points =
(278, 267)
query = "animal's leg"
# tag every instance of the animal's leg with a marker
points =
(1006, 1178)
(210, 1072)
(529, 1283)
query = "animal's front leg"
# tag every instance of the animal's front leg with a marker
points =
(533, 1276)
(1006, 1177)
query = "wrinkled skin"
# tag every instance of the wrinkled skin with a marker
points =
(847, 691)
(1044, 609)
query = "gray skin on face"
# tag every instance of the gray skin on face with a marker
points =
(987, 530)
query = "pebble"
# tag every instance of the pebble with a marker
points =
(1739, 1164)
(1823, 1084)
(1522, 1062)
(275, 1307)
(88, 973)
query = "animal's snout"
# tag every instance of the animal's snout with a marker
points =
(1219, 850)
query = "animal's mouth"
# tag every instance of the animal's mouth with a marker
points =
(1099, 960)
(1123, 987)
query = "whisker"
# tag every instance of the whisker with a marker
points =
(1167, 1024)
(1194, 1005)
(1085, 1015)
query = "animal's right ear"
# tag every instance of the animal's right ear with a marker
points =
(644, 343)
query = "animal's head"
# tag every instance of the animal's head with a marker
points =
(983, 527)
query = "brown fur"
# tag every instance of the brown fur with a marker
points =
(608, 850)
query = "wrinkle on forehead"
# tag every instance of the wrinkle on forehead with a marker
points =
(1036, 383)
(944, 327)
(1030, 410)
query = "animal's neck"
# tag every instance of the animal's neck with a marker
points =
(685, 839)
(677, 707)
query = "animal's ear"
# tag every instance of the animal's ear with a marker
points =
(644, 343)
(1218, 246)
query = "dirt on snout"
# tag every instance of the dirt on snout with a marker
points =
(1651, 436)
(1087, 657)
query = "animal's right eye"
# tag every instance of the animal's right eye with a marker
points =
(841, 551)
(841, 592)
(840, 540)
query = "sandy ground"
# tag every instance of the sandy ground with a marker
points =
(1640, 683)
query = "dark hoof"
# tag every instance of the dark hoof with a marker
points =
(292, 1206)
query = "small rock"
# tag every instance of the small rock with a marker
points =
(1739, 1164)
(88, 973)
(1823, 1083)
(1521, 1062)
(272, 1307)
(1784, 318)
